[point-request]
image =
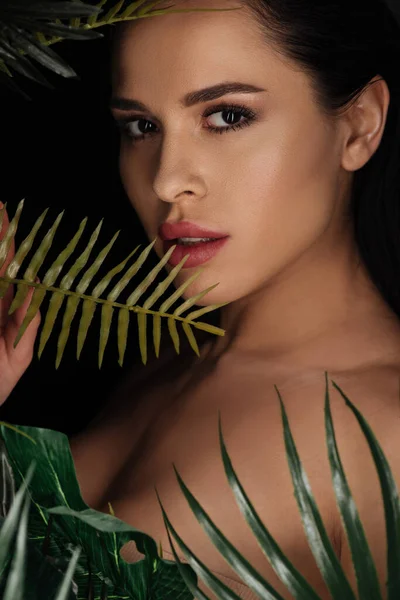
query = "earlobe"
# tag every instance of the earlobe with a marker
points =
(366, 120)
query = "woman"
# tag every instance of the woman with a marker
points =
(304, 188)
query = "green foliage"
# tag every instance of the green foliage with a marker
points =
(60, 522)
(28, 564)
(89, 302)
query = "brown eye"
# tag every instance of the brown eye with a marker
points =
(143, 127)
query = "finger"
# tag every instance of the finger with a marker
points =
(3, 231)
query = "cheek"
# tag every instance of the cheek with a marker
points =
(135, 187)
(284, 199)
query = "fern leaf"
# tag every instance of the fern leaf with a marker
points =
(148, 280)
(8, 238)
(52, 312)
(68, 280)
(157, 333)
(132, 8)
(193, 300)
(41, 38)
(173, 333)
(72, 305)
(37, 299)
(81, 261)
(93, 18)
(105, 282)
(106, 318)
(57, 266)
(192, 340)
(205, 309)
(178, 293)
(49, 278)
(121, 285)
(91, 272)
(88, 310)
(33, 268)
(89, 306)
(75, 22)
(147, 8)
(162, 287)
(123, 325)
(14, 266)
(109, 16)
(142, 325)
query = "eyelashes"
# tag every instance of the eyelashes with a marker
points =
(238, 110)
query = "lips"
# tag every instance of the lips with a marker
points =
(172, 231)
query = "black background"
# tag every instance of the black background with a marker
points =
(60, 150)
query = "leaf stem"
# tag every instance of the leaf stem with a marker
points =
(134, 308)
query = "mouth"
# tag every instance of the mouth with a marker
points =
(199, 252)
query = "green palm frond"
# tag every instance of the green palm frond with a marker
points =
(328, 563)
(27, 29)
(15, 525)
(90, 301)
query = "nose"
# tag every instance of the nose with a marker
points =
(177, 176)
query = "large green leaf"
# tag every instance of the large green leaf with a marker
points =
(60, 521)
(42, 578)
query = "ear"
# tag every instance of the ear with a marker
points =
(364, 123)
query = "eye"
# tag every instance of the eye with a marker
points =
(237, 116)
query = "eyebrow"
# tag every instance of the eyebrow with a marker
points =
(204, 95)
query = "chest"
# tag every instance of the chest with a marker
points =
(181, 429)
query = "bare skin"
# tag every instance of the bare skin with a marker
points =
(300, 300)
(131, 447)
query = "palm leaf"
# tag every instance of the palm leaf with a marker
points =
(331, 570)
(15, 581)
(65, 585)
(75, 297)
(28, 566)
(7, 482)
(11, 522)
(391, 504)
(27, 29)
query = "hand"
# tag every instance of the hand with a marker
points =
(14, 361)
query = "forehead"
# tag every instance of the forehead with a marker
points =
(201, 44)
(159, 59)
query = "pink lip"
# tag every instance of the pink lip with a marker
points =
(172, 231)
(198, 253)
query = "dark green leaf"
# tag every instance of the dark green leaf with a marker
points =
(391, 503)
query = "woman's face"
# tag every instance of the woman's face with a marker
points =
(274, 185)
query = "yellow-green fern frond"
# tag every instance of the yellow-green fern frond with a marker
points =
(63, 290)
